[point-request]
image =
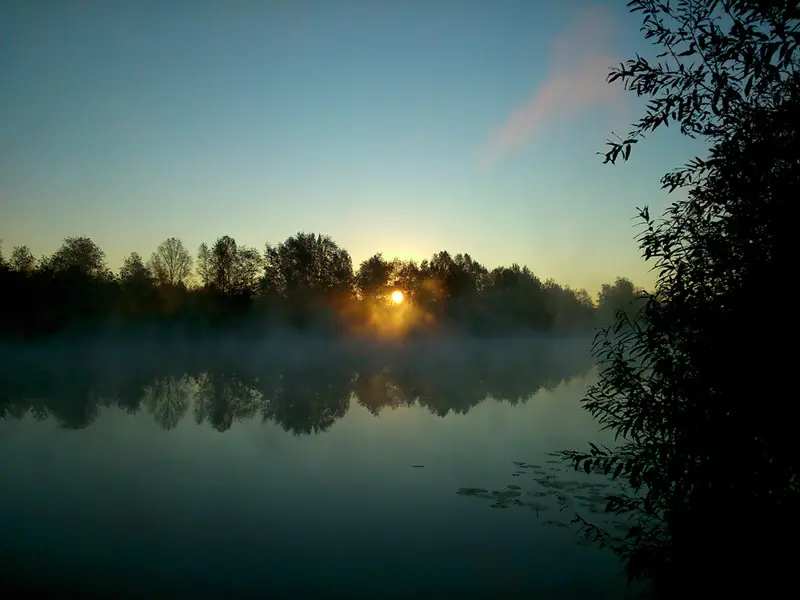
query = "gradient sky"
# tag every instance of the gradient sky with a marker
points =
(404, 127)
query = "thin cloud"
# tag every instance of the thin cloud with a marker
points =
(579, 64)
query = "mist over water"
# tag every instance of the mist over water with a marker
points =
(289, 467)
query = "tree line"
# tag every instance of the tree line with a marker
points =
(303, 387)
(305, 283)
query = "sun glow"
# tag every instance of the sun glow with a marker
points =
(397, 296)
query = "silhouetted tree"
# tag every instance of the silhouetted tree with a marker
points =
(406, 277)
(80, 255)
(137, 286)
(205, 268)
(515, 297)
(248, 270)
(171, 263)
(373, 278)
(306, 281)
(308, 262)
(223, 261)
(708, 467)
(134, 269)
(622, 295)
(22, 260)
(313, 277)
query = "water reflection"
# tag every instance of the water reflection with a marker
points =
(304, 386)
(152, 499)
(168, 399)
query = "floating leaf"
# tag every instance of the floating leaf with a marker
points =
(506, 494)
(471, 491)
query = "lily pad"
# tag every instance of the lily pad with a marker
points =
(471, 491)
(506, 494)
(539, 494)
(513, 487)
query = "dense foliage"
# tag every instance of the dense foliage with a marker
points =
(694, 386)
(304, 283)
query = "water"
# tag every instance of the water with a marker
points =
(291, 470)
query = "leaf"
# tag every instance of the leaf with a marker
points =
(748, 86)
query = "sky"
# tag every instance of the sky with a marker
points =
(397, 127)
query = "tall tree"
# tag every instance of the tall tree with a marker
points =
(223, 260)
(138, 286)
(171, 263)
(406, 277)
(22, 259)
(707, 466)
(373, 277)
(248, 270)
(134, 269)
(205, 268)
(622, 295)
(309, 263)
(79, 254)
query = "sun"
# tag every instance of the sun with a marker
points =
(397, 296)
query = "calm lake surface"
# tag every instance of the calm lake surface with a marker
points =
(293, 469)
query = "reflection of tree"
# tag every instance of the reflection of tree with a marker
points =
(130, 392)
(304, 387)
(438, 388)
(168, 400)
(376, 391)
(74, 405)
(224, 397)
(309, 400)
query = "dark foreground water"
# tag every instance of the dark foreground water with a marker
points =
(294, 470)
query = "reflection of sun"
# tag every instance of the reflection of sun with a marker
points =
(397, 297)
